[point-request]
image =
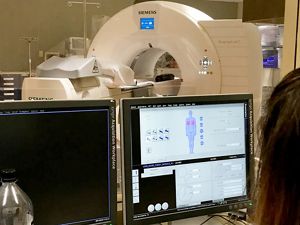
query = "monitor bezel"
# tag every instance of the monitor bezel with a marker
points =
(125, 106)
(11, 106)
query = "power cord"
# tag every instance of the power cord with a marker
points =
(240, 215)
(237, 219)
(212, 216)
(233, 218)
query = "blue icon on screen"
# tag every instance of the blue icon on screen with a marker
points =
(147, 23)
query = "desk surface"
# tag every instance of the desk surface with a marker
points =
(191, 221)
(199, 220)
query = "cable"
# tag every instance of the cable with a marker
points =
(232, 217)
(238, 217)
(243, 222)
(228, 220)
(212, 216)
(206, 220)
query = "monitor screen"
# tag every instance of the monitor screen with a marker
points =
(147, 23)
(185, 156)
(64, 155)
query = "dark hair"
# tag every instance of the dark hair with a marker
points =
(277, 186)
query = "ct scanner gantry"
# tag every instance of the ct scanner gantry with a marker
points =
(212, 56)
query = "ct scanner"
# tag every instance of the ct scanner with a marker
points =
(212, 56)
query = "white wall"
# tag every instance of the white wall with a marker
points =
(291, 49)
(52, 21)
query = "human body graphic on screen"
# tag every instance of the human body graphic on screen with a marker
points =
(190, 130)
(193, 149)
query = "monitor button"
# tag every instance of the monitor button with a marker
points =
(165, 206)
(150, 208)
(158, 207)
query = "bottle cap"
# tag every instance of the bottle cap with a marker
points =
(8, 175)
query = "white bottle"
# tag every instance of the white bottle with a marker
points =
(15, 206)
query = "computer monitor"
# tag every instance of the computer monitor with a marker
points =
(185, 156)
(64, 155)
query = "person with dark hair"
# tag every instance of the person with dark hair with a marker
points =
(277, 188)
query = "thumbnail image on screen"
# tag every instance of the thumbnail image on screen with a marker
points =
(185, 156)
(63, 152)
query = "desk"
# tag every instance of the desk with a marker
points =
(190, 221)
(199, 220)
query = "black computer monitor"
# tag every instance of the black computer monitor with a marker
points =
(64, 155)
(185, 156)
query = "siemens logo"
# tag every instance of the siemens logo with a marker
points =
(38, 98)
(147, 12)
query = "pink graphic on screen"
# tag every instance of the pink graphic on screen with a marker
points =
(190, 129)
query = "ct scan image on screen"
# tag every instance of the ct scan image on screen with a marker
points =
(188, 155)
